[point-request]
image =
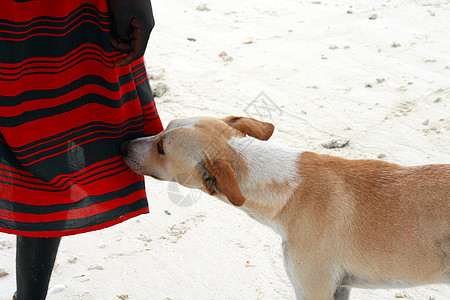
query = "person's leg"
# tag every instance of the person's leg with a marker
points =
(35, 258)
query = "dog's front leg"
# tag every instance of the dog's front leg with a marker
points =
(311, 276)
(289, 267)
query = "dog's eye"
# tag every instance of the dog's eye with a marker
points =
(159, 147)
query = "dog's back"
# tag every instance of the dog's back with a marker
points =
(377, 220)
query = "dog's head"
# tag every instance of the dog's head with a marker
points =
(195, 153)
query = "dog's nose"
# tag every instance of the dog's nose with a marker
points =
(124, 149)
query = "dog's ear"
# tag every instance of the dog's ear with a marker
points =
(222, 179)
(251, 127)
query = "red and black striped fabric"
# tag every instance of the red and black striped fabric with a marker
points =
(64, 111)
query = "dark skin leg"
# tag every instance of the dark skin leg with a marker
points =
(35, 258)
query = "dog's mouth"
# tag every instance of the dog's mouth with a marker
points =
(132, 164)
(136, 170)
(156, 177)
(140, 171)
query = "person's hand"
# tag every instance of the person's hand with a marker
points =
(132, 22)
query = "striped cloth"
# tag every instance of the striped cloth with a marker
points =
(64, 111)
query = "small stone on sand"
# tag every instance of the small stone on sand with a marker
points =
(203, 7)
(73, 260)
(225, 56)
(401, 295)
(4, 244)
(3, 273)
(56, 289)
(335, 144)
(248, 41)
(95, 267)
(160, 89)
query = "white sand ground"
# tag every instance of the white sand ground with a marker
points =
(317, 63)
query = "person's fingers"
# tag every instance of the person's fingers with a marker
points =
(126, 60)
(138, 44)
(121, 46)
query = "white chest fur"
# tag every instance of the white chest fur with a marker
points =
(272, 178)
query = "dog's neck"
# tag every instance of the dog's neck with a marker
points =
(272, 178)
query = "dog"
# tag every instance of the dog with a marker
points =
(343, 223)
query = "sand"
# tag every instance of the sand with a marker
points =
(376, 73)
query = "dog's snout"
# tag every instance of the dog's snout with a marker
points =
(124, 148)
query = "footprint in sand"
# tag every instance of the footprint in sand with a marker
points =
(177, 231)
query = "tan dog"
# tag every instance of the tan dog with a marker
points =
(344, 223)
